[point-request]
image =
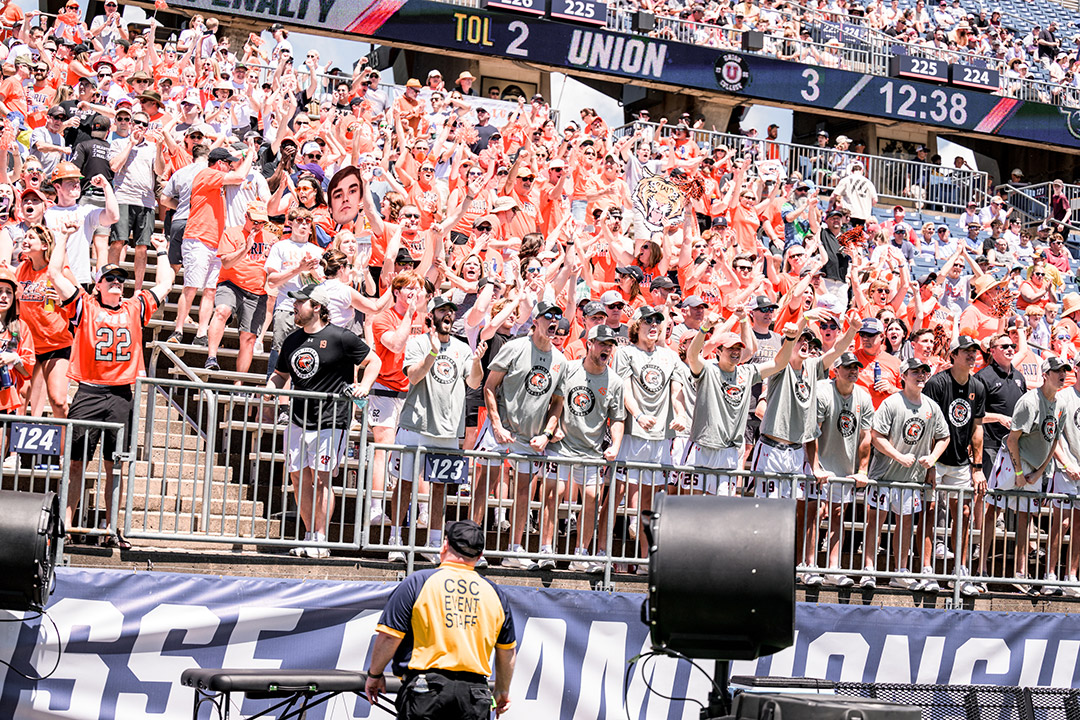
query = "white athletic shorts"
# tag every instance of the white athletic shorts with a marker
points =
(902, 501)
(1062, 485)
(642, 450)
(384, 410)
(486, 442)
(322, 450)
(201, 264)
(1003, 477)
(716, 459)
(789, 459)
(402, 464)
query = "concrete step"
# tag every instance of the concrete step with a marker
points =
(186, 505)
(253, 528)
(156, 487)
(193, 469)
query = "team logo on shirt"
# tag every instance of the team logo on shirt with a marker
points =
(959, 412)
(846, 423)
(802, 390)
(305, 363)
(913, 430)
(444, 370)
(539, 381)
(1049, 429)
(581, 401)
(652, 378)
(733, 394)
(1076, 417)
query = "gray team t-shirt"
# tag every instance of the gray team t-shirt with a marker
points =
(911, 428)
(1069, 406)
(651, 375)
(589, 402)
(791, 409)
(1039, 421)
(841, 419)
(723, 402)
(435, 406)
(530, 380)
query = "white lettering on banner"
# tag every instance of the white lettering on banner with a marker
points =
(250, 623)
(541, 647)
(87, 673)
(993, 651)
(9, 637)
(602, 671)
(852, 648)
(1065, 663)
(600, 51)
(782, 663)
(353, 655)
(898, 646)
(149, 664)
(1032, 658)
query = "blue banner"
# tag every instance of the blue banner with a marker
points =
(126, 637)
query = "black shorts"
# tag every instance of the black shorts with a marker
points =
(176, 241)
(474, 400)
(63, 353)
(446, 698)
(99, 404)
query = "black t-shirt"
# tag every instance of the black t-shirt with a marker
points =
(92, 158)
(962, 405)
(1003, 390)
(81, 132)
(323, 362)
(836, 266)
(483, 135)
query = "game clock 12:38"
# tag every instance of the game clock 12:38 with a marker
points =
(885, 97)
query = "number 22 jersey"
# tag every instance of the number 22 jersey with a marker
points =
(108, 347)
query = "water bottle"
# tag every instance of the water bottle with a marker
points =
(877, 371)
(6, 380)
(421, 686)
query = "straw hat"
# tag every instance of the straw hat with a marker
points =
(984, 283)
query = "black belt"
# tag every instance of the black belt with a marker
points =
(772, 442)
(449, 674)
(382, 392)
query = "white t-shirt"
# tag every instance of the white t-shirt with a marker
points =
(78, 244)
(342, 313)
(286, 255)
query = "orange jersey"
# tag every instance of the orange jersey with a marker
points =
(49, 327)
(206, 220)
(391, 373)
(108, 347)
(11, 397)
(249, 272)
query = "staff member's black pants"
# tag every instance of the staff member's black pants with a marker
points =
(448, 696)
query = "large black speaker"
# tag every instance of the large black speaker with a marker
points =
(721, 576)
(753, 41)
(772, 706)
(30, 525)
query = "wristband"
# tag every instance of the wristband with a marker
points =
(976, 467)
(376, 676)
(548, 434)
(433, 353)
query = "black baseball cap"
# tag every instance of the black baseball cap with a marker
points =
(218, 154)
(632, 270)
(602, 333)
(466, 538)
(439, 301)
(849, 358)
(964, 342)
(543, 307)
(1053, 363)
(404, 257)
(761, 302)
(662, 282)
(113, 270)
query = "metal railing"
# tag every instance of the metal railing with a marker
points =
(38, 453)
(896, 179)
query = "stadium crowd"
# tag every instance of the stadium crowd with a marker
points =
(527, 287)
(822, 32)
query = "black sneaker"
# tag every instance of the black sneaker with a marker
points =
(176, 337)
(211, 364)
(201, 341)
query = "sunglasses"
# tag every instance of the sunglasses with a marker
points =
(551, 315)
(118, 279)
(533, 270)
(1038, 274)
(142, 123)
(740, 268)
(123, 119)
(313, 156)
(411, 216)
(526, 181)
(486, 227)
(869, 335)
(830, 326)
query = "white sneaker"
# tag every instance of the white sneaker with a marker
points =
(1051, 589)
(1072, 590)
(317, 553)
(482, 562)
(813, 579)
(929, 585)
(868, 582)
(943, 553)
(546, 563)
(520, 563)
(968, 589)
(422, 521)
(904, 581)
(596, 567)
(580, 566)
(837, 580)
(396, 556)
(641, 570)
(1021, 584)
(504, 525)
(11, 463)
(632, 529)
(433, 555)
(300, 550)
(379, 518)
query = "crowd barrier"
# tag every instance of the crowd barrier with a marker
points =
(896, 179)
(208, 463)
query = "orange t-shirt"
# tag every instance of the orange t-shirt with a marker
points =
(392, 372)
(49, 327)
(206, 220)
(890, 371)
(977, 323)
(14, 95)
(745, 223)
(11, 397)
(249, 272)
(108, 347)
